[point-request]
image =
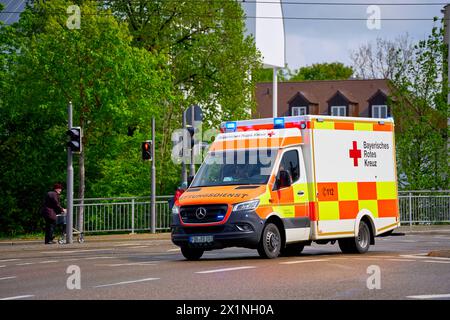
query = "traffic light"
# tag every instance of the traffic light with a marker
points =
(147, 150)
(75, 136)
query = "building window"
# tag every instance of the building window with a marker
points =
(298, 111)
(379, 111)
(338, 111)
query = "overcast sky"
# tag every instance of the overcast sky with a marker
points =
(314, 41)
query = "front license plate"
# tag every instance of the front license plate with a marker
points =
(201, 239)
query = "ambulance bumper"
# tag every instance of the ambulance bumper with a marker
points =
(243, 229)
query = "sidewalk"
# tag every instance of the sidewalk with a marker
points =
(421, 229)
(96, 238)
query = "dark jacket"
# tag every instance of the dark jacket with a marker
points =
(52, 206)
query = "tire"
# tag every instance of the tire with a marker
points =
(292, 249)
(359, 244)
(270, 244)
(192, 254)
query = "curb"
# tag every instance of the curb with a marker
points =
(91, 239)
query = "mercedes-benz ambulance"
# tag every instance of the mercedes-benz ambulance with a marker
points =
(278, 184)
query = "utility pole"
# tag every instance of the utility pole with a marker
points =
(192, 166)
(275, 93)
(446, 12)
(69, 213)
(183, 163)
(153, 195)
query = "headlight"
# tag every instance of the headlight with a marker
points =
(248, 205)
(175, 209)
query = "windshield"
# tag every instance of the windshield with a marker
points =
(234, 167)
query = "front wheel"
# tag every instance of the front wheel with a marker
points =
(270, 244)
(192, 254)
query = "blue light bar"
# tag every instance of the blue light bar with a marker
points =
(278, 123)
(230, 126)
(220, 217)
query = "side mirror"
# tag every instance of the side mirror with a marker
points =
(189, 180)
(283, 179)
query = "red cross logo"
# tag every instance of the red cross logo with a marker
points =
(355, 153)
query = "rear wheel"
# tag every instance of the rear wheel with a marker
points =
(359, 244)
(270, 244)
(192, 253)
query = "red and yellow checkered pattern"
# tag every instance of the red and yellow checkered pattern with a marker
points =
(344, 200)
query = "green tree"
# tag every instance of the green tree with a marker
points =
(419, 104)
(115, 88)
(322, 71)
(210, 59)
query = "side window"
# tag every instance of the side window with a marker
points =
(290, 163)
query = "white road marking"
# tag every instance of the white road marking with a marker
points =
(366, 258)
(8, 278)
(148, 263)
(126, 282)
(8, 260)
(303, 261)
(422, 257)
(25, 264)
(170, 250)
(94, 258)
(2, 266)
(406, 260)
(17, 297)
(430, 296)
(226, 269)
(435, 261)
(138, 247)
(77, 251)
(127, 244)
(49, 261)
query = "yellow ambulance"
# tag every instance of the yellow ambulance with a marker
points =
(279, 184)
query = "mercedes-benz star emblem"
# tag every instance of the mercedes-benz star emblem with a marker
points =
(200, 213)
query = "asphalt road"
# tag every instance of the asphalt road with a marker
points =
(155, 269)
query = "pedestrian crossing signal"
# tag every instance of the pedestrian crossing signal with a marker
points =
(147, 150)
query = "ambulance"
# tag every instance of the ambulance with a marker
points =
(279, 184)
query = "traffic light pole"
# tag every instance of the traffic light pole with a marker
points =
(69, 213)
(153, 195)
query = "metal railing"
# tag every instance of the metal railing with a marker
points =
(132, 214)
(424, 207)
(121, 214)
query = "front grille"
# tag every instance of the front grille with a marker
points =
(212, 213)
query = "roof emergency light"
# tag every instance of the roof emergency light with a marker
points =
(230, 126)
(278, 123)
